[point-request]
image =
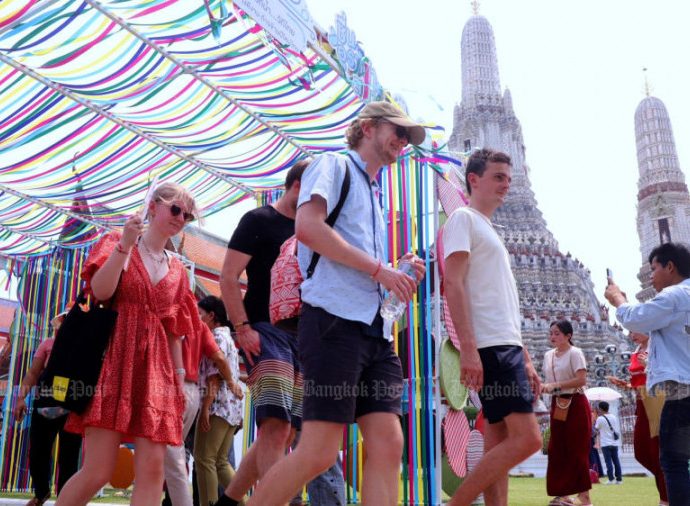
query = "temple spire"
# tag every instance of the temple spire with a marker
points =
(475, 7)
(480, 80)
(646, 82)
(663, 201)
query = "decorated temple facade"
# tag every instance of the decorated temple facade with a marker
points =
(663, 201)
(551, 284)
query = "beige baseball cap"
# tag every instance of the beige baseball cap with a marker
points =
(389, 112)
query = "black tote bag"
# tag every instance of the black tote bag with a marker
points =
(71, 375)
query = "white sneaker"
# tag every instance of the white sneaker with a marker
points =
(619, 482)
(608, 482)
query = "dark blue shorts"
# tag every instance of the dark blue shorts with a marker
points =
(506, 387)
(275, 379)
(348, 373)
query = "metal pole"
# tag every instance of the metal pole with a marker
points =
(437, 354)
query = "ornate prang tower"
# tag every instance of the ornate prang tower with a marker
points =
(663, 202)
(551, 284)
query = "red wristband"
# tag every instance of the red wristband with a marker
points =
(378, 269)
(120, 249)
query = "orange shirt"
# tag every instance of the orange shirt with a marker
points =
(638, 362)
(192, 349)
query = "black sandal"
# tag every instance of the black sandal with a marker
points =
(35, 501)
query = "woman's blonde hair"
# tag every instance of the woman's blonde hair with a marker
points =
(168, 193)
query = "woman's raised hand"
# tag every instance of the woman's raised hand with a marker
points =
(134, 227)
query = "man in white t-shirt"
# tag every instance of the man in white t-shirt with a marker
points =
(484, 306)
(609, 430)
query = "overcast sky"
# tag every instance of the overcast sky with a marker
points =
(574, 69)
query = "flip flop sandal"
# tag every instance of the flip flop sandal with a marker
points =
(578, 502)
(561, 501)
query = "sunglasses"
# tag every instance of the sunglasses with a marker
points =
(175, 210)
(400, 131)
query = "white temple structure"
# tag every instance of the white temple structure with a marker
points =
(663, 202)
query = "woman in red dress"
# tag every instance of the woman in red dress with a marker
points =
(646, 433)
(139, 393)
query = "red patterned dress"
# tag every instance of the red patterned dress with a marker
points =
(645, 446)
(136, 394)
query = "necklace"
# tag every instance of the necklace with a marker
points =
(560, 353)
(158, 260)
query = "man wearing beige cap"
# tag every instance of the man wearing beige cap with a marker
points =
(351, 372)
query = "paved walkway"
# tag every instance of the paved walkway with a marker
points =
(536, 465)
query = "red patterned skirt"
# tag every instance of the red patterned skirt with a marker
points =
(647, 449)
(567, 472)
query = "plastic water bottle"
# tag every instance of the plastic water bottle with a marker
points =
(392, 308)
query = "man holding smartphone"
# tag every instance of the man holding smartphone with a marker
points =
(666, 319)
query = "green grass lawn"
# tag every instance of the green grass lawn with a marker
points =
(523, 492)
(633, 492)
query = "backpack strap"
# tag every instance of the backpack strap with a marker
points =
(330, 221)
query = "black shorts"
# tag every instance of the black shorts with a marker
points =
(347, 373)
(506, 387)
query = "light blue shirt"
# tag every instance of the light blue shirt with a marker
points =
(666, 319)
(334, 287)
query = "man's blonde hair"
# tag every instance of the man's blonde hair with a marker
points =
(354, 133)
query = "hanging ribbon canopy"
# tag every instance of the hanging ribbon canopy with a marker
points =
(100, 96)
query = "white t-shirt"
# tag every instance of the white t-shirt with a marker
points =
(605, 432)
(564, 366)
(493, 299)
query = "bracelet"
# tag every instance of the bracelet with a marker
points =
(378, 269)
(180, 370)
(120, 249)
(240, 324)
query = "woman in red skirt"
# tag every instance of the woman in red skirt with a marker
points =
(565, 369)
(646, 435)
(139, 395)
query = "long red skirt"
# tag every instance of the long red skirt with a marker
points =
(568, 469)
(647, 449)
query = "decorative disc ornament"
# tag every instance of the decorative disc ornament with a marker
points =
(456, 430)
(454, 391)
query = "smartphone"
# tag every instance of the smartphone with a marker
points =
(609, 275)
(143, 211)
(147, 199)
